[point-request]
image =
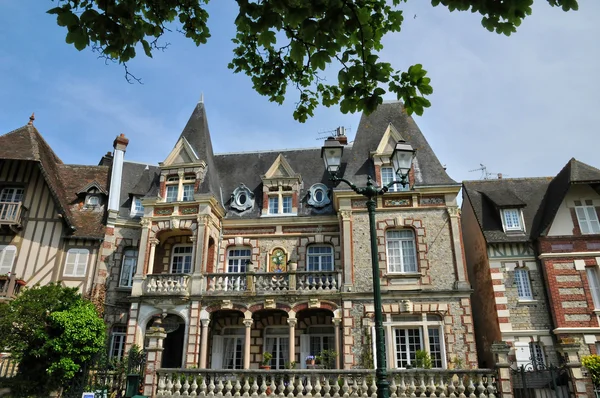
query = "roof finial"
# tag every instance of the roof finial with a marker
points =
(31, 119)
(201, 98)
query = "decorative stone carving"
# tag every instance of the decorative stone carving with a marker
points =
(318, 195)
(242, 198)
(314, 303)
(270, 304)
(226, 305)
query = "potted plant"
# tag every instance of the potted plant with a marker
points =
(290, 365)
(310, 360)
(266, 362)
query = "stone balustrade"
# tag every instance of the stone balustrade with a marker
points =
(433, 383)
(273, 282)
(167, 284)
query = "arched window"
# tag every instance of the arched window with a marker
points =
(76, 262)
(319, 258)
(128, 267)
(401, 253)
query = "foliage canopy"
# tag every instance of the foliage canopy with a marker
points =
(52, 331)
(283, 43)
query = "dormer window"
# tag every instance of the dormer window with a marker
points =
(92, 201)
(137, 209)
(280, 202)
(388, 175)
(587, 217)
(318, 195)
(180, 190)
(511, 218)
(242, 198)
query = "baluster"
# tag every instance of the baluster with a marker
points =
(281, 388)
(373, 389)
(299, 387)
(442, 387)
(186, 386)
(451, 387)
(290, 386)
(327, 387)
(461, 387)
(471, 387)
(334, 284)
(177, 385)
(320, 282)
(161, 384)
(336, 387)
(490, 386)
(422, 386)
(211, 387)
(393, 387)
(345, 387)
(317, 393)
(170, 384)
(246, 387)
(432, 388)
(255, 387)
(364, 389)
(228, 388)
(194, 387)
(300, 282)
(402, 387)
(203, 387)
(411, 387)
(480, 386)
(263, 387)
(309, 387)
(237, 388)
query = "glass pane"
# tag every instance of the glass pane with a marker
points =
(435, 347)
(273, 205)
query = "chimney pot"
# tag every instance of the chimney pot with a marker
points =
(499, 176)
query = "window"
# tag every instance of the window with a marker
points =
(188, 192)
(315, 340)
(237, 262)
(594, 283)
(76, 262)
(118, 335)
(512, 219)
(537, 354)
(523, 284)
(7, 259)
(414, 333)
(92, 200)
(287, 204)
(11, 195)
(388, 175)
(319, 258)
(401, 254)
(242, 198)
(136, 207)
(318, 195)
(172, 193)
(228, 349)
(277, 342)
(128, 267)
(274, 205)
(587, 217)
(182, 259)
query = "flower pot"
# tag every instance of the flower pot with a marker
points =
(293, 267)
(265, 367)
(310, 362)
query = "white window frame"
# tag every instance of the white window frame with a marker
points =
(508, 220)
(183, 255)
(128, 267)
(118, 337)
(523, 283)
(594, 284)
(396, 264)
(8, 255)
(587, 217)
(92, 200)
(238, 336)
(15, 196)
(320, 265)
(286, 204)
(281, 340)
(187, 195)
(425, 326)
(237, 263)
(79, 264)
(537, 353)
(170, 190)
(276, 203)
(137, 209)
(273, 205)
(388, 175)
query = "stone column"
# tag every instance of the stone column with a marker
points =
(153, 243)
(336, 330)
(138, 278)
(346, 221)
(156, 334)
(459, 260)
(204, 345)
(505, 388)
(248, 323)
(193, 342)
(292, 322)
(196, 283)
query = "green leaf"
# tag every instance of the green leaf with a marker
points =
(67, 18)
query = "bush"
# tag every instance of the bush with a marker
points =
(592, 363)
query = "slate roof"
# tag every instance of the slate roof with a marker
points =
(527, 192)
(89, 223)
(574, 172)
(428, 169)
(227, 171)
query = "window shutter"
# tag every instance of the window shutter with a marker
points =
(82, 260)
(7, 257)
(304, 349)
(583, 220)
(70, 263)
(217, 353)
(593, 220)
(522, 354)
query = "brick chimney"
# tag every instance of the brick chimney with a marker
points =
(120, 145)
(340, 135)
(499, 176)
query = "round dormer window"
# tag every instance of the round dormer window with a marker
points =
(318, 195)
(242, 198)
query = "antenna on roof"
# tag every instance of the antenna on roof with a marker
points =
(201, 98)
(485, 175)
(335, 133)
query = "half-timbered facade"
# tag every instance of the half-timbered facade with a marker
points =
(51, 215)
(245, 253)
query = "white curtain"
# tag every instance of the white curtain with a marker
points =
(284, 344)
(230, 344)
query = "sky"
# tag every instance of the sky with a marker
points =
(521, 105)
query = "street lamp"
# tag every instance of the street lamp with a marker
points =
(402, 158)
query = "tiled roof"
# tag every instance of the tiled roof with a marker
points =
(527, 193)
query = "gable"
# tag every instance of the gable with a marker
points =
(182, 153)
(564, 222)
(280, 169)
(388, 141)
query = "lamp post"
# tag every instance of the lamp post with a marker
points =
(402, 158)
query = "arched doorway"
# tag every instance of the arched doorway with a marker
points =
(172, 356)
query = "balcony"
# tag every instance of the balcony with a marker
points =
(479, 383)
(10, 286)
(273, 282)
(10, 213)
(167, 284)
